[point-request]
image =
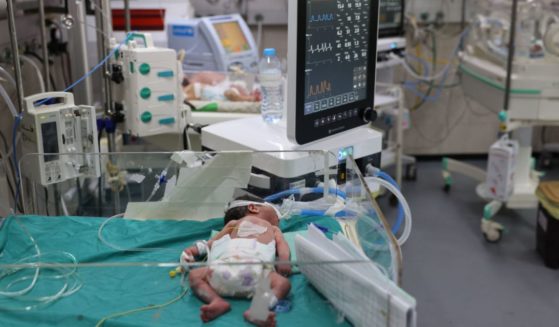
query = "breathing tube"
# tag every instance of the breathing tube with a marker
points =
(303, 191)
(404, 212)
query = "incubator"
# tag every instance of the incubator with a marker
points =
(100, 251)
(536, 58)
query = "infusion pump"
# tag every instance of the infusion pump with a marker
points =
(57, 131)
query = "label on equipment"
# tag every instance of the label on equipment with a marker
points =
(187, 31)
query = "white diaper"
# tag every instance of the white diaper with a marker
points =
(238, 280)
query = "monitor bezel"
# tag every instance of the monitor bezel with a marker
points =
(301, 128)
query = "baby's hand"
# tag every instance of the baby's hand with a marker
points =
(187, 255)
(284, 269)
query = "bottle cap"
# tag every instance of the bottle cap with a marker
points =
(269, 52)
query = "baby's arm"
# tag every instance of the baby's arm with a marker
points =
(283, 253)
(192, 252)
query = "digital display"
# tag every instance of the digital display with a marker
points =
(336, 61)
(390, 16)
(232, 37)
(49, 133)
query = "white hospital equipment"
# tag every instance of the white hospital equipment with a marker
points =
(147, 87)
(523, 84)
(330, 92)
(54, 129)
(217, 43)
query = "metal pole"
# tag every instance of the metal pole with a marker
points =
(510, 59)
(463, 17)
(127, 18)
(46, 64)
(15, 53)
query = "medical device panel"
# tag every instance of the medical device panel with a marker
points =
(147, 88)
(59, 128)
(218, 43)
(332, 61)
(391, 18)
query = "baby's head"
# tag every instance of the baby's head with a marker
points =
(249, 205)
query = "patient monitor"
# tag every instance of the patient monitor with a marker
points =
(332, 63)
(330, 98)
(218, 43)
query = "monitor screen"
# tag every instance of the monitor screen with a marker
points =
(337, 53)
(49, 133)
(391, 18)
(232, 37)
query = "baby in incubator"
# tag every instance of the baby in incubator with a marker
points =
(251, 235)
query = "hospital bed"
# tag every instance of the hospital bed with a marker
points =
(104, 251)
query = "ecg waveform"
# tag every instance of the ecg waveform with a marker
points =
(321, 18)
(321, 48)
(320, 88)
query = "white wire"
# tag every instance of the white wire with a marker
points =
(408, 217)
(37, 70)
(64, 290)
(440, 73)
(118, 248)
(8, 101)
(8, 76)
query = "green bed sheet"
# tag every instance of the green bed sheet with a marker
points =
(107, 291)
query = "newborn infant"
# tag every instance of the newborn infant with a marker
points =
(250, 235)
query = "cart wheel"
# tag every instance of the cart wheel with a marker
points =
(494, 236)
(411, 172)
(447, 188)
(546, 160)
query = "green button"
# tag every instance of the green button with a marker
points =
(167, 121)
(146, 117)
(145, 93)
(145, 69)
(166, 73)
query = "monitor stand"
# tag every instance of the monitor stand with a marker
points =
(254, 134)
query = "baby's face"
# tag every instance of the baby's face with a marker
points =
(269, 214)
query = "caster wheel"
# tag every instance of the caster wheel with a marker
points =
(411, 173)
(394, 201)
(545, 161)
(493, 236)
(447, 188)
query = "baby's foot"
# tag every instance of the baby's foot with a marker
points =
(214, 309)
(269, 322)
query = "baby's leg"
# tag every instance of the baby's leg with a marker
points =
(280, 287)
(216, 306)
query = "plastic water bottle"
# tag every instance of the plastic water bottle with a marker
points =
(271, 83)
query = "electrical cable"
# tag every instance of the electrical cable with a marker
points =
(37, 71)
(65, 275)
(441, 73)
(8, 76)
(8, 101)
(40, 59)
(94, 69)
